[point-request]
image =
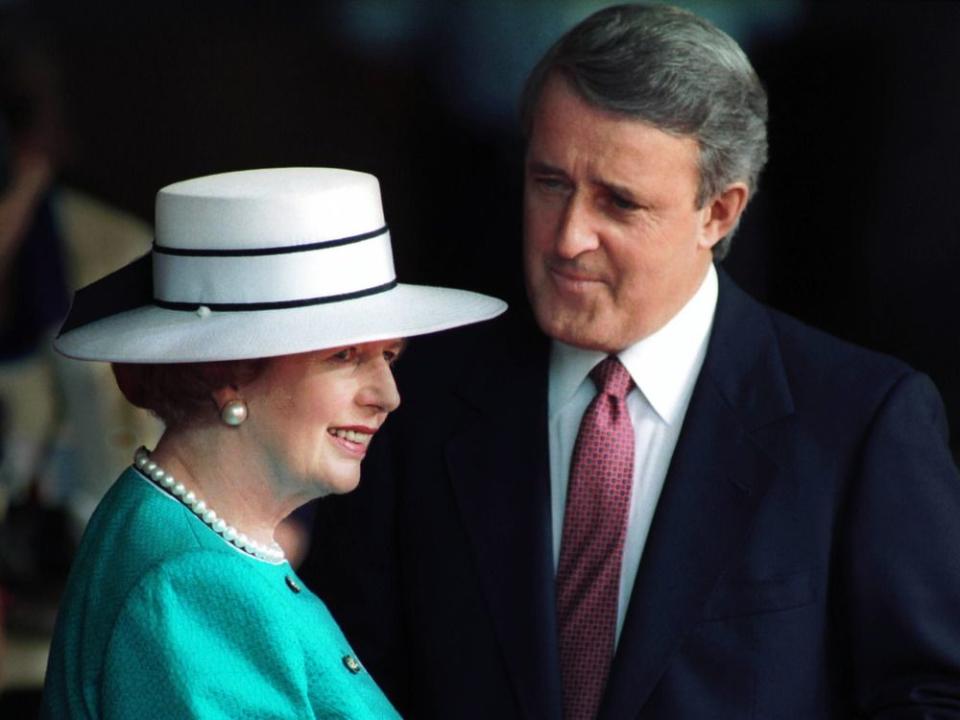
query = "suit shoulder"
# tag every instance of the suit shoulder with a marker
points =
(782, 362)
(815, 355)
(844, 385)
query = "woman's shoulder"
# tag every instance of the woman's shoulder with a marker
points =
(222, 575)
(134, 527)
(170, 554)
(172, 563)
(142, 541)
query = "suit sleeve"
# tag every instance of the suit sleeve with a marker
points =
(901, 562)
(196, 640)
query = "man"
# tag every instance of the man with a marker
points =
(770, 530)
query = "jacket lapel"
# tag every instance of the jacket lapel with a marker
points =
(717, 479)
(499, 469)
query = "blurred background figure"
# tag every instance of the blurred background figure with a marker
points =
(63, 428)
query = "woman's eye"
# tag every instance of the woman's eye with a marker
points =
(392, 355)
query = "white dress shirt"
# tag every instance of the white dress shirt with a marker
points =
(664, 367)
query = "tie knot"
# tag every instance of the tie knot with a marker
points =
(611, 377)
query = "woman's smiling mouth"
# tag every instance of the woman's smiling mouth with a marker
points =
(353, 439)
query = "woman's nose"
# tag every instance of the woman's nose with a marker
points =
(381, 389)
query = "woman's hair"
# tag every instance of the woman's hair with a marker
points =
(181, 393)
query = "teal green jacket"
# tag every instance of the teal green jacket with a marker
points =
(162, 618)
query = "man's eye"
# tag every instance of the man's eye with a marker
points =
(549, 183)
(345, 355)
(622, 203)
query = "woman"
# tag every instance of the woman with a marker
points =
(261, 329)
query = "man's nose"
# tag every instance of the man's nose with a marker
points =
(577, 232)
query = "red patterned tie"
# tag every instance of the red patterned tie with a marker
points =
(591, 546)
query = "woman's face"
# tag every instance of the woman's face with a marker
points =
(313, 414)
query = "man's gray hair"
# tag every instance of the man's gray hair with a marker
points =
(674, 70)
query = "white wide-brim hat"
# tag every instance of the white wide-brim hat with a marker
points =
(260, 263)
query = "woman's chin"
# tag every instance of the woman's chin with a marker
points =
(340, 485)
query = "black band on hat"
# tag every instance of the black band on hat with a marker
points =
(131, 287)
(277, 305)
(250, 252)
(126, 289)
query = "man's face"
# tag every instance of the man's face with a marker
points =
(614, 245)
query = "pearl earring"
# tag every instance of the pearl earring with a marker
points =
(233, 413)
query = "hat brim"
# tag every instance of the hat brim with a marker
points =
(150, 334)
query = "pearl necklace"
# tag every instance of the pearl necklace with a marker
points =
(160, 477)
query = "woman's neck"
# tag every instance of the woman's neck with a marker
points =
(238, 484)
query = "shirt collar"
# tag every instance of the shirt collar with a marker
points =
(664, 365)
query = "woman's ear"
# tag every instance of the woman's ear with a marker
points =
(223, 395)
(231, 407)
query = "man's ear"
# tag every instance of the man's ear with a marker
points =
(720, 214)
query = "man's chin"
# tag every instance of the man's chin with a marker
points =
(578, 331)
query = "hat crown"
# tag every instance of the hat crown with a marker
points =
(275, 207)
(270, 238)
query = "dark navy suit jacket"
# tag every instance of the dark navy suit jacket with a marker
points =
(803, 562)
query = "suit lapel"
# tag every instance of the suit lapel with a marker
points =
(717, 479)
(499, 469)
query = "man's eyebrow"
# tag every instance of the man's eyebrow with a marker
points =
(616, 189)
(543, 168)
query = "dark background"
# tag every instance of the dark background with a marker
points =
(855, 228)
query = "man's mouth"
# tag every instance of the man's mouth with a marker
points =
(572, 278)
